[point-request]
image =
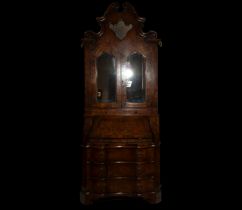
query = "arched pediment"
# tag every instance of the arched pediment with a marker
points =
(120, 20)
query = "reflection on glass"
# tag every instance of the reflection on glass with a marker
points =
(106, 78)
(134, 77)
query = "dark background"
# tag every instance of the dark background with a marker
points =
(54, 94)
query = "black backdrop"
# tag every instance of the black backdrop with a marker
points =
(55, 96)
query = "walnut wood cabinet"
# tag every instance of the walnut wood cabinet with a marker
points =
(120, 146)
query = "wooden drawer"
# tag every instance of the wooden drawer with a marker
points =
(96, 186)
(130, 154)
(121, 154)
(147, 169)
(121, 170)
(145, 154)
(95, 154)
(96, 170)
(111, 170)
(147, 185)
(111, 186)
(116, 185)
(121, 186)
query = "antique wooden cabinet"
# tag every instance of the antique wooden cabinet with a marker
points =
(120, 146)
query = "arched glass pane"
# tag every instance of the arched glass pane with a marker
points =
(134, 74)
(106, 78)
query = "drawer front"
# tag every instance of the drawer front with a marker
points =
(121, 154)
(121, 186)
(95, 154)
(145, 154)
(147, 169)
(97, 186)
(111, 170)
(121, 170)
(146, 186)
(97, 170)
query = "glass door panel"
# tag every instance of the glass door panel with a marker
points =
(134, 79)
(106, 78)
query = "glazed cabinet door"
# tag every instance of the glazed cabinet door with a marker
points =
(134, 82)
(104, 81)
(120, 82)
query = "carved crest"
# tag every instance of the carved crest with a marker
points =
(120, 29)
(128, 19)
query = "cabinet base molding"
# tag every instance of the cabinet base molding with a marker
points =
(88, 198)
